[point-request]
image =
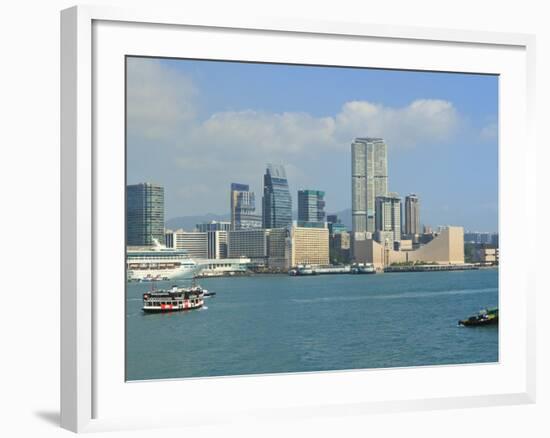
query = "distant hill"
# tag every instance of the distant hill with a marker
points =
(188, 223)
(345, 217)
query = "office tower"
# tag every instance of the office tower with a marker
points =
(194, 242)
(412, 215)
(277, 203)
(311, 208)
(214, 226)
(388, 216)
(369, 179)
(144, 214)
(243, 208)
(309, 246)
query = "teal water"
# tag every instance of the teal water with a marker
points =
(277, 323)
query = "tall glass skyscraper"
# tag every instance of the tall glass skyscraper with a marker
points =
(369, 179)
(243, 208)
(311, 208)
(276, 202)
(144, 214)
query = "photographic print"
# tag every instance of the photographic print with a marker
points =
(301, 218)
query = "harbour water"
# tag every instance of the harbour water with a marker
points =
(277, 323)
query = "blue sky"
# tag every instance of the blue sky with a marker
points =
(197, 126)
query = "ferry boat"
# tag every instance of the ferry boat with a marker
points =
(302, 270)
(173, 299)
(159, 263)
(363, 268)
(487, 316)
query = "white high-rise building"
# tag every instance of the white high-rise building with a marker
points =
(369, 179)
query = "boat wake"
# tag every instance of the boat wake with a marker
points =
(390, 296)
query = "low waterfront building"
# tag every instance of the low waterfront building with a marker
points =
(251, 243)
(219, 267)
(445, 248)
(265, 247)
(309, 246)
(486, 255)
(194, 242)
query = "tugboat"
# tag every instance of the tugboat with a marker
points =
(174, 299)
(487, 316)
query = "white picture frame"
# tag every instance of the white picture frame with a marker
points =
(93, 396)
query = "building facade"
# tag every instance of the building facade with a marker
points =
(144, 214)
(445, 248)
(311, 208)
(278, 248)
(194, 242)
(369, 179)
(309, 246)
(412, 215)
(243, 208)
(388, 215)
(264, 247)
(339, 249)
(276, 202)
(213, 226)
(217, 244)
(250, 243)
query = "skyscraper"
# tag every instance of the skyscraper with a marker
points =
(311, 208)
(369, 179)
(276, 202)
(412, 215)
(243, 208)
(144, 214)
(388, 216)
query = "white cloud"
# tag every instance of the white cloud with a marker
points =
(422, 122)
(164, 126)
(162, 105)
(160, 101)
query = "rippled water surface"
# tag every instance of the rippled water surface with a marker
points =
(277, 323)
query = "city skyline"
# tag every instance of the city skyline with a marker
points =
(306, 137)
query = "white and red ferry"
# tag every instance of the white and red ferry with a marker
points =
(174, 299)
